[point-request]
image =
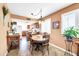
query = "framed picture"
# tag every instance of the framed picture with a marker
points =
(55, 24)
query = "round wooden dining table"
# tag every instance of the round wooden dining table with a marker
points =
(38, 40)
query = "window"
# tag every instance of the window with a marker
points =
(46, 26)
(69, 19)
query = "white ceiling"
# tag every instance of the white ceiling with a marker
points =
(25, 9)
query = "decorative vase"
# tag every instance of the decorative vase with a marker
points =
(3, 20)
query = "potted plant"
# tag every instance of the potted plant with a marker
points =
(71, 33)
(5, 12)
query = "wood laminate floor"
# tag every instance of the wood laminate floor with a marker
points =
(24, 50)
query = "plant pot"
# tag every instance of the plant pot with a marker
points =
(69, 39)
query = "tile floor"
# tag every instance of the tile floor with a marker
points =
(24, 50)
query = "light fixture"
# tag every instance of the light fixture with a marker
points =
(39, 13)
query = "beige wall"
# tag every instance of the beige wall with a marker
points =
(3, 29)
(56, 37)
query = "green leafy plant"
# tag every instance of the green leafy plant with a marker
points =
(71, 32)
(5, 12)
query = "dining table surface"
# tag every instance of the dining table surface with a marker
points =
(38, 38)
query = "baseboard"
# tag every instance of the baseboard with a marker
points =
(62, 49)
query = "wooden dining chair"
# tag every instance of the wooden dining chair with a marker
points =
(46, 43)
(29, 36)
(32, 46)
